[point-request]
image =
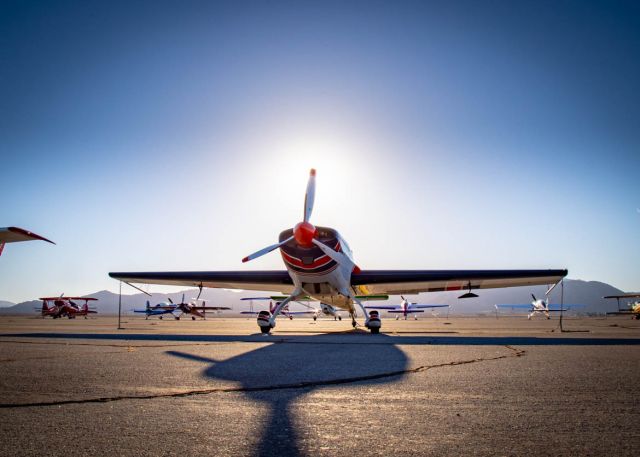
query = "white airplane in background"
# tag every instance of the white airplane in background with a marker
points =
(325, 309)
(16, 234)
(328, 310)
(319, 264)
(286, 312)
(541, 306)
(406, 308)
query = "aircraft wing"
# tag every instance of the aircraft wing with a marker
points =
(428, 306)
(212, 308)
(16, 234)
(515, 306)
(409, 311)
(416, 281)
(381, 307)
(247, 280)
(566, 307)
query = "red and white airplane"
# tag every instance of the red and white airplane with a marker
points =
(319, 264)
(192, 309)
(65, 306)
(16, 234)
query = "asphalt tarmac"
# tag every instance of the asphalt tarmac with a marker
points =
(436, 386)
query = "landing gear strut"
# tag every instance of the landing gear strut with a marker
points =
(267, 321)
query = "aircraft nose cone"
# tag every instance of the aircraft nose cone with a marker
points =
(304, 232)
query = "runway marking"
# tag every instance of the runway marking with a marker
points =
(514, 352)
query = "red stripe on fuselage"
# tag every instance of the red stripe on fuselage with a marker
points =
(320, 261)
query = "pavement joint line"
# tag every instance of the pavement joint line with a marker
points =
(169, 345)
(514, 352)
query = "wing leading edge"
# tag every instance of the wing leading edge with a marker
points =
(395, 282)
(366, 282)
(248, 280)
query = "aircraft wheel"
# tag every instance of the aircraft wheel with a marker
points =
(315, 318)
(193, 318)
(375, 330)
(354, 324)
(265, 329)
(160, 317)
(339, 318)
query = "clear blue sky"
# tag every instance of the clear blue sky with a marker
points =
(178, 135)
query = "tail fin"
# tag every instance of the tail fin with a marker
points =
(148, 304)
(45, 308)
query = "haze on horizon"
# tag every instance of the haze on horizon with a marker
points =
(178, 135)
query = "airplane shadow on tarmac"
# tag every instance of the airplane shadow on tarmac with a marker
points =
(280, 375)
(283, 372)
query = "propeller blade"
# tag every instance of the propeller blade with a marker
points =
(170, 301)
(266, 250)
(334, 255)
(310, 196)
(534, 297)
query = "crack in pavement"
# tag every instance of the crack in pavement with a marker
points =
(514, 352)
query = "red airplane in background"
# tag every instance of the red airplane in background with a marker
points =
(65, 306)
(193, 309)
(16, 234)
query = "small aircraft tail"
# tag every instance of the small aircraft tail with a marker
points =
(148, 305)
(45, 307)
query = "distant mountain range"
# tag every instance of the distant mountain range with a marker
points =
(587, 293)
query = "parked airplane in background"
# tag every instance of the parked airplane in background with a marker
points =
(633, 309)
(65, 306)
(16, 234)
(540, 307)
(406, 308)
(328, 310)
(319, 264)
(193, 309)
(157, 310)
(272, 307)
